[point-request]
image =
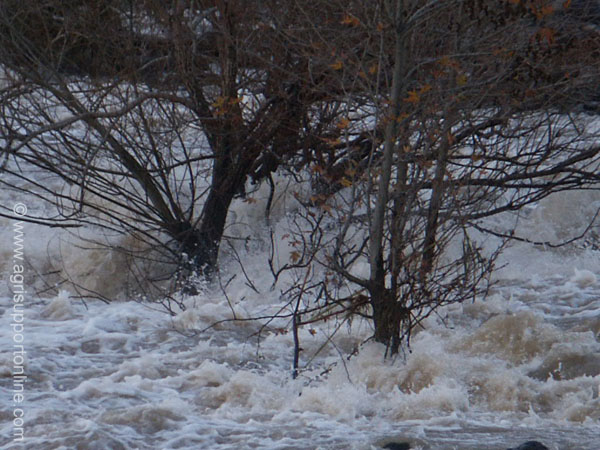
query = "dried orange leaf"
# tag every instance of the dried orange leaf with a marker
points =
(451, 138)
(446, 61)
(343, 123)
(402, 117)
(338, 65)
(413, 97)
(350, 20)
(547, 34)
(294, 256)
(331, 142)
(345, 182)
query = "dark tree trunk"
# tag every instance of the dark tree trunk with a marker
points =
(388, 315)
(201, 243)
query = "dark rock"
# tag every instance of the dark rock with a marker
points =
(397, 446)
(530, 445)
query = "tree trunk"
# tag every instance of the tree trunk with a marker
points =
(201, 243)
(388, 315)
(387, 312)
(435, 204)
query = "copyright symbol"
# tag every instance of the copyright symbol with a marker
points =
(20, 209)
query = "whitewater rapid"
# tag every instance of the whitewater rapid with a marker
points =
(522, 363)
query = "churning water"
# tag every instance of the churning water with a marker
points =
(521, 364)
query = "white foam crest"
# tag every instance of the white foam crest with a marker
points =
(209, 374)
(60, 308)
(440, 399)
(345, 402)
(247, 216)
(147, 419)
(525, 357)
(584, 278)
(516, 338)
(562, 216)
(145, 366)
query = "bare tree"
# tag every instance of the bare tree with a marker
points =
(479, 112)
(418, 121)
(157, 115)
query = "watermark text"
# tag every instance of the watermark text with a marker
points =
(17, 324)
